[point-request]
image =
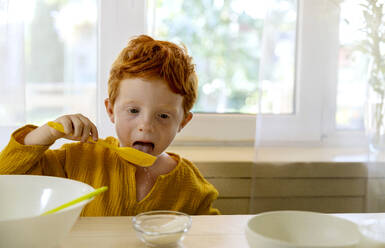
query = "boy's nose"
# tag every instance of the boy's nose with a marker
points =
(145, 124)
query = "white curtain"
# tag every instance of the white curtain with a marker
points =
(338, 171)
(48, 61)
(11, 63)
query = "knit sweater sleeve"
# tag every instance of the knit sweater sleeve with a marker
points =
(206, 192)
(17, 158)
(206, 208)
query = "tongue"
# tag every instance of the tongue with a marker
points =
(143, 147)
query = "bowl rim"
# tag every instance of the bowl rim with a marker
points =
(70, 208)
(156, 212)
(289, 244)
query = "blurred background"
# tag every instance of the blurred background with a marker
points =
(291, 92)
(49, 56)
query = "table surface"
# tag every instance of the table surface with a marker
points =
(207, 231)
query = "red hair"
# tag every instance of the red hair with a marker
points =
(147, 58)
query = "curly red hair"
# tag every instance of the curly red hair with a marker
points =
(147, 58)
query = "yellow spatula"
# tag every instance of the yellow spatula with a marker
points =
(77, 200)
(127, 153)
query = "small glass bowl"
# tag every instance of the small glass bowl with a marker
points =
(161, 228)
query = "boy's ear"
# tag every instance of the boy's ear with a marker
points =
(109, 109)
(186, 120)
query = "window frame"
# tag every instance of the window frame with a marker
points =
(314, 119)
(316, 81)
(303, 127)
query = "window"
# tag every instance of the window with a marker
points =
(235, 44)
(300, 52)
(227, 40)
(49, 60)
(292, 50)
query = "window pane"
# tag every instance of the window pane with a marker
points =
(229, 40)
(353, 68)
(58, 62)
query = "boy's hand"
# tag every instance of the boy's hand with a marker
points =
(76, 127)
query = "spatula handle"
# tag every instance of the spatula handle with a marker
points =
(77, 200)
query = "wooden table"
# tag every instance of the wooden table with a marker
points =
(207, 231)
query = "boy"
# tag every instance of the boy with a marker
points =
(151, 90)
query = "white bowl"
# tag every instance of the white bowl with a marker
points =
(373, 232)
(25, 197)
(301, 229)
(161, 228)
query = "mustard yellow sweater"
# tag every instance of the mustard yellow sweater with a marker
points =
(183, 189)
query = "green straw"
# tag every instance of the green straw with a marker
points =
(77, 200)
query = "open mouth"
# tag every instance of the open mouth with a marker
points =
(146, 147)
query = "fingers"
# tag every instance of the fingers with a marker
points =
(67, 124)
(94, 132)
(78, 127)
(89, 129)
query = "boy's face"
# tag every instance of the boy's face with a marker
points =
(147, 114)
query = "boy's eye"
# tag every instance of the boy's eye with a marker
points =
(134, 111)
(164, 116)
